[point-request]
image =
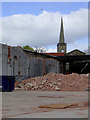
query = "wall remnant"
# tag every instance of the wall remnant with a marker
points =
(25, 64)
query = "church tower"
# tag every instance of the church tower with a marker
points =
(61, 46)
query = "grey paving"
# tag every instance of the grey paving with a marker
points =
(25, 104)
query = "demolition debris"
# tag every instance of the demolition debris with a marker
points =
(55, 82)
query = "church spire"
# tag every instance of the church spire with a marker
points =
(61, 46)
(61, 38)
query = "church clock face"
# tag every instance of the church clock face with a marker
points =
(62, 51)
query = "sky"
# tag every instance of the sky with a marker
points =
(38, 24)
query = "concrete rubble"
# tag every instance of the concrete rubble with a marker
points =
(55, 82)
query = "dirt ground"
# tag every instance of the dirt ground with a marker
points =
(45, 104)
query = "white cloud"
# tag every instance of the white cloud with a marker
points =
(44, 29)
(76, 25)
(81, 45)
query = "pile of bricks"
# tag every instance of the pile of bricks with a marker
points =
(55, 82)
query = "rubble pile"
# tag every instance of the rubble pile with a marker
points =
(55, 82)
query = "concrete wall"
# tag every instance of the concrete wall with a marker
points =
(0, 59)
(15, 62)
(0, 66)
(52, 66)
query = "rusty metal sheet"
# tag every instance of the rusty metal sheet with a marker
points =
(55, 106)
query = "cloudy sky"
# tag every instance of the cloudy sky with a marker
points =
(25, 23)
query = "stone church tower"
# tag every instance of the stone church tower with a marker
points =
(61, 46)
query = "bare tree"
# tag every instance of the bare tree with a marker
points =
(40, 49)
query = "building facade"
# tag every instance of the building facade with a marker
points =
(76, 52)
